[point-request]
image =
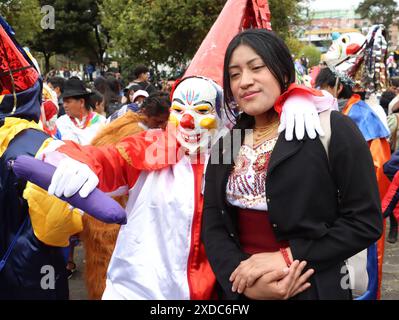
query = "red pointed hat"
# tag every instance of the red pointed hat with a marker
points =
(236, 16)
(12, 61)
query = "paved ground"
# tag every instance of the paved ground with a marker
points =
(77, 288)
(390, 278)
(390, 272)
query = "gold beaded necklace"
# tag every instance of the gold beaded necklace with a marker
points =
(261, 134)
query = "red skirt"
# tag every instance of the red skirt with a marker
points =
(256, 232)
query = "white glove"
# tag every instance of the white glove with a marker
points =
(300, 112)
(72, 176)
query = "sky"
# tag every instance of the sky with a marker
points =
(335, 4)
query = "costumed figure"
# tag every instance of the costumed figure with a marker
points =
(159, 253)
(361, 58)
(49, 111)
(359, 62)
(99, 238)
(33, 225)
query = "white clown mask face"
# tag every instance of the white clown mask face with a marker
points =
(347, 44)
(194, 115)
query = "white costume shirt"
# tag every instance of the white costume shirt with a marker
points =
(70, 131)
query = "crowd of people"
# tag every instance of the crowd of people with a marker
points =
(253, 187)
(87, 72)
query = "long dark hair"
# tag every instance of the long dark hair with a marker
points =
(274, 53)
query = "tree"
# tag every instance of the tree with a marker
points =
(23, 16)
(284, 15)
(294, 45)
(170, 31)
(312, 53)
(378, 11)
(76, 30)
(159, 31)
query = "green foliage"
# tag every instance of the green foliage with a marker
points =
(170, 31)
(23, 16)
(294, 45)
(159, 31)
(131, 31)
(378, 11)
(312, 53)
(284, 15)
(74, 34)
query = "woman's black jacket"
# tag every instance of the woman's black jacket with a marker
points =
(327, 208)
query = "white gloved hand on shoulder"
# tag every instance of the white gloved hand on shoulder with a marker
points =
(301, 112)
(72, 176)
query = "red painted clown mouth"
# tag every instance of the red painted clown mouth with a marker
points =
(191, 138)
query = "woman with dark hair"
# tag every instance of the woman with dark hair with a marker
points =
(263, 224)
(97, 103)
(109, 87)
(113, 95)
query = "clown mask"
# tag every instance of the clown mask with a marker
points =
(193, 112)
(343, 46)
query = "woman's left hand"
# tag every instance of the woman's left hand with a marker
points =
(277, 285)
(254, 267)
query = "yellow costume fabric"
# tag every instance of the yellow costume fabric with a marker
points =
(52, 221)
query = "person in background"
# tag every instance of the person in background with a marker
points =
(130, 78)
(139, 96)
(142, 75)
(125, 96)
(111, 95)
(373, 127)
(97, 103)
(390, 102)
(128, 93)
(305, 63)
(67, 73)
(57, 85)
(49, 110)
(114, 98)
(156, 114)
(391, 65)
(90, 70)
(386, 98)
(368, 122)
(80, 123)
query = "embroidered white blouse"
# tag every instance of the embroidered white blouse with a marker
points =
(246, 186)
